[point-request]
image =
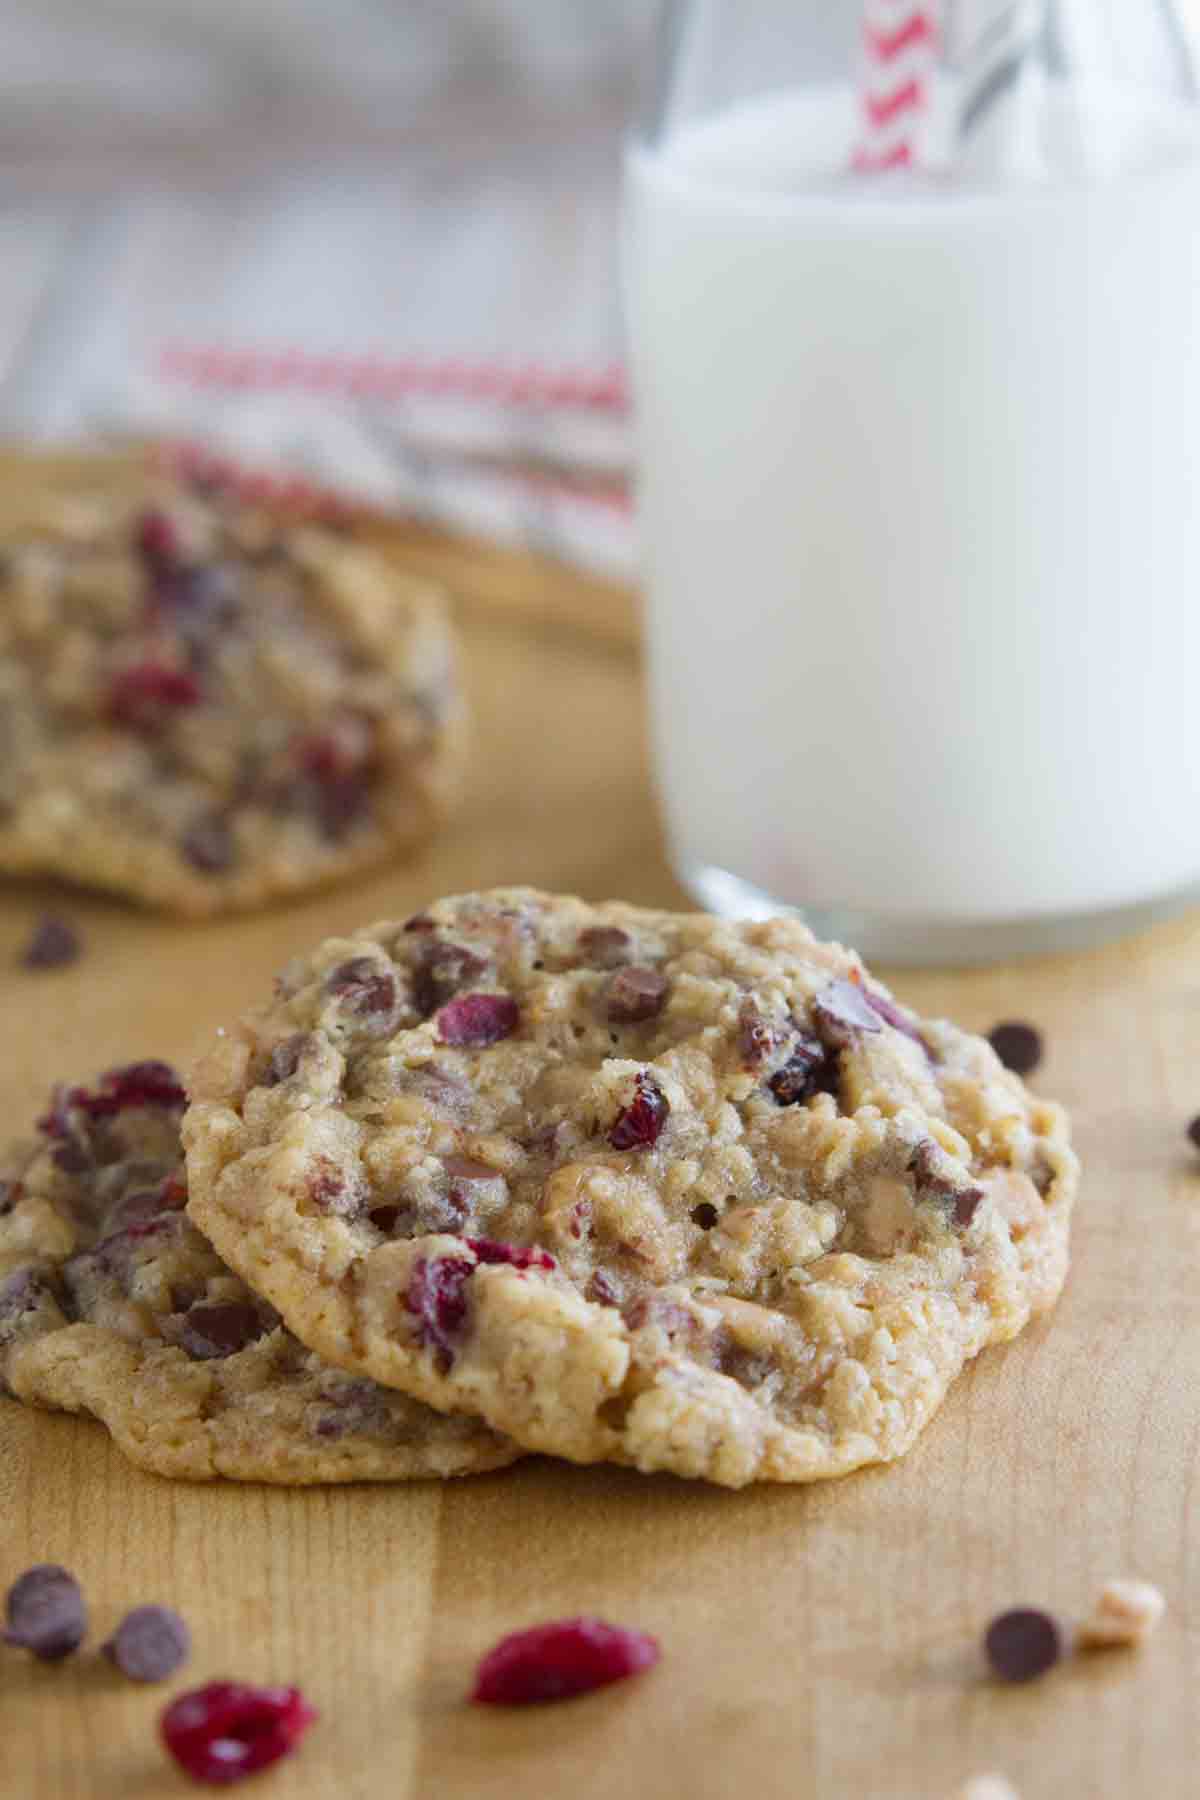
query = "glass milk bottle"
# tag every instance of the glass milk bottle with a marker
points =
(916, 361)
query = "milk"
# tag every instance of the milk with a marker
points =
(920, 502)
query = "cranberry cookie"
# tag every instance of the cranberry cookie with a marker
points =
(112, 1303)
(662, 1190)
(204, 704)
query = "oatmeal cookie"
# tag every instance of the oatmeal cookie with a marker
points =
(112, 1303)
(658, 1189)
(207, 704)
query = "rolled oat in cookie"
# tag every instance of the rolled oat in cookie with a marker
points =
(634, 1186)
(205, 704)
(112, 1303)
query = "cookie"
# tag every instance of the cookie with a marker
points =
(206, 704)
(658, 1189)
(112, 1303)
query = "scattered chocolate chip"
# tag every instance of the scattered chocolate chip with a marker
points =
(601, 1290)
(843, 1013)
(557, 1661)
(52, 945)
(284, 1059)
(45, 1613)
(477, 1020)
(933, 1183)
(1023, 1644)
(705, 1215)
(1019, 1046)
(221, 1329)
(803, 1074)
(604, 946)
(1193, 1131)
(756, 1038)
(209, 845)
(443, 969)
(149, 1644)
(635, 993)
(640, 1124)
(228, 1729)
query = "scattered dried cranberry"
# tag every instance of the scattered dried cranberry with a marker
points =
(157, 538)
(1019, 1046)
(135, 1084)
(228, 1729)
(208, 1332)
(560, 1660)
(209, 845)
(149, 1644)
(144, 697)
(803, 1074)
(521, 1256)
(45, 1613)
(478, 1019)
(52, 945)
(640, 1124)
(843, 1012)
(634, 994)
(437, 1297)
(1023, 1644)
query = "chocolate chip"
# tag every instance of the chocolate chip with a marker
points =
(52, 945)
(419, 922)
(209, 845)
(604, 946)
(634, 994)
(284, 1059)
(45, 1613)
(1022, 1644)
(803, 1074)
(443, 969)
(24, 1294)
(705, 1215)
(478, 1019)
(1193, 1131)
(934, 1183)
(601, 1290)
(221, 1329)
(365, 988)
(10, 1193)
(756, 1038)
(843, 1013)
(149, 1644)
(1019, 1046)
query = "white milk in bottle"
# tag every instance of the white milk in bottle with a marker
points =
(920, 501)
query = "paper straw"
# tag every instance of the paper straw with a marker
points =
(1000, 57)
(900, 40)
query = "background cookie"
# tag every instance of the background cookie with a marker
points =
(112, 1303)
(666, 1190)
(204, 703)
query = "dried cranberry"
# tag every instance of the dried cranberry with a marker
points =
(365, 987)
(52, 945)
(437, 1297)
(521, 1256)
(478, 1019)
(228, 1729)
(136, 1084)
(634, 994)
(157, 537)
(601, 1290)
(144, 697)
(221, 1329)
(802, 1074)
(640, 1124)
(172, 1193)
(560, 1660)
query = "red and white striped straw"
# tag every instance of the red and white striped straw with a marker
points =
(901, 40)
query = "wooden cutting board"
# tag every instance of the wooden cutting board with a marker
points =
(817, 1642)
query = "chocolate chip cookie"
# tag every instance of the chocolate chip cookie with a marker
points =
(207, 704)
(658, 1189)
(112, 1303)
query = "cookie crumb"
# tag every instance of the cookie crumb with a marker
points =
(1125, 1614)
(52, 944)
(149, 1644)
(45, 1613)
(989, 1787)
(1018, 1045)
(1023, 1643)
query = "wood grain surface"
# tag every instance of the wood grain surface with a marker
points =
(817, 1642)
